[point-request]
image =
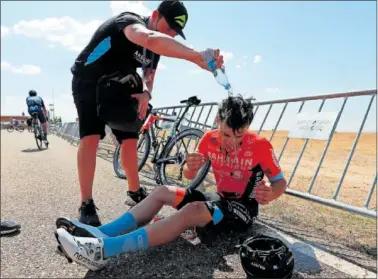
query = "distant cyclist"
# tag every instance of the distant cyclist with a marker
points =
(36, 105)
(15, 122)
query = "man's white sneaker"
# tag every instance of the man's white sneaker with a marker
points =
(85, 251)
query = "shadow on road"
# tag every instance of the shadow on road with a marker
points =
(32, 150)
(179, 259)
(209, 256)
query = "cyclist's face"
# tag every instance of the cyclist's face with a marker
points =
(163, 27)
(229, 138)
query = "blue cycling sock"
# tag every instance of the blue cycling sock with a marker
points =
(131, 242)
(121, 225)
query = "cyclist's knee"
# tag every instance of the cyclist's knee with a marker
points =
(196, 213)
(165, 194)
(89, 142)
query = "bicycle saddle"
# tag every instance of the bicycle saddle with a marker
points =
(191, 101)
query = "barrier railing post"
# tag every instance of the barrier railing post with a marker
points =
(338, 187)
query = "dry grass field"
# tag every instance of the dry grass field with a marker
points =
(359, 175)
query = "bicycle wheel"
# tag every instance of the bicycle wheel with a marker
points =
(143, 148)
(20, 129)
(38, 137)
(10, 129)
(174, 154)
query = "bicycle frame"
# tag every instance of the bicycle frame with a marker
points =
(157, 158)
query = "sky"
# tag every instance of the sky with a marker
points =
(273, 50)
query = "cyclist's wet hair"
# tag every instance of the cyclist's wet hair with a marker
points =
(236, 112)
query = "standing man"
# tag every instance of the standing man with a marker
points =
(119, 46)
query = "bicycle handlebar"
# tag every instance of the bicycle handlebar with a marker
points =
(192, 101)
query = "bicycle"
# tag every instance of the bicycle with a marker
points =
(18, 128)
(38, 131)
(161, 160)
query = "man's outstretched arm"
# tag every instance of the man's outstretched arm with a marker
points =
(162, 44)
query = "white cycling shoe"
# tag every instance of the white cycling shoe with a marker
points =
(76, 228)
(85, 251)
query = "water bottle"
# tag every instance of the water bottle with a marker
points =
(220, 77)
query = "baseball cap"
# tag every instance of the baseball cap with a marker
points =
(175, 14)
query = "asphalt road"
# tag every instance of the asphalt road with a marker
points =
(39, 186)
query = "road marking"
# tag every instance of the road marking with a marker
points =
(342, 265)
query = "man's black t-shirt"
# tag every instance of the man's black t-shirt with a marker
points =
(109, 50)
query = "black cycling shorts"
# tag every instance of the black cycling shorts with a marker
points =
(41, 115)
(230, 220)
(84, 94)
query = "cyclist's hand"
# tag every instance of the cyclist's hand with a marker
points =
(209, 55)
(263, 193)
(195, 161)
(143, 100)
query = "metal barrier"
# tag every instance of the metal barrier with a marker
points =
(203, 117)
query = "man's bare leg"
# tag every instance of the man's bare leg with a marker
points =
(192, 215)
(129, 159)
(143, 212)
(86, 164)
(162, 232)
(44, 128)
(158, 233)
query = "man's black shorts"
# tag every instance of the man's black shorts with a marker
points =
(226, 206)
(84, 94)
(41, 115)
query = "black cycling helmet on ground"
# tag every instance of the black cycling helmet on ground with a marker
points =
(32, 93)
(266, 257)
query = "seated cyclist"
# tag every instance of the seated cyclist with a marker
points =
(239, 159)
(36, 105)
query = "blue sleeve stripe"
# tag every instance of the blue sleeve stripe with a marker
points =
(99, 51)
(277, 177)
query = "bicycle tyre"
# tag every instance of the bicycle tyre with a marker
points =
(21, 129)
(10, 129)
(203, 171)
(37, 140)
(117, 153)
